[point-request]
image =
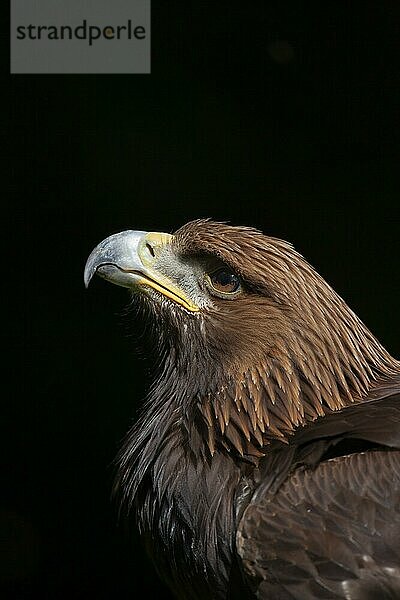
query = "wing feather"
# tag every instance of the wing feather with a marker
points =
(324, 521)
(332, 532)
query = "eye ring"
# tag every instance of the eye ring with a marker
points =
(224, 283)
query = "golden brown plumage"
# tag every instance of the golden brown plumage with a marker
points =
(312, 353)
(262, 371)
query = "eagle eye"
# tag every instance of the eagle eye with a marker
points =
(224, 281)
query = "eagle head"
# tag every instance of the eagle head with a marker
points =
(247, 333)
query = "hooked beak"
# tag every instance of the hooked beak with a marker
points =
(129, 259)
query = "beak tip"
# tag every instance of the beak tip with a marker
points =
(119, 249)
(88, 274)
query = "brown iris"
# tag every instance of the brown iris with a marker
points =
(224, 281)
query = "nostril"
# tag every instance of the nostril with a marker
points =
(150, 249)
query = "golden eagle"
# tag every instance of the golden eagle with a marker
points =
(266, 460)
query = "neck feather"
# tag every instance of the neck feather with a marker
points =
(326, 361)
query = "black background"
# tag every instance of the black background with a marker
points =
(281, 115)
